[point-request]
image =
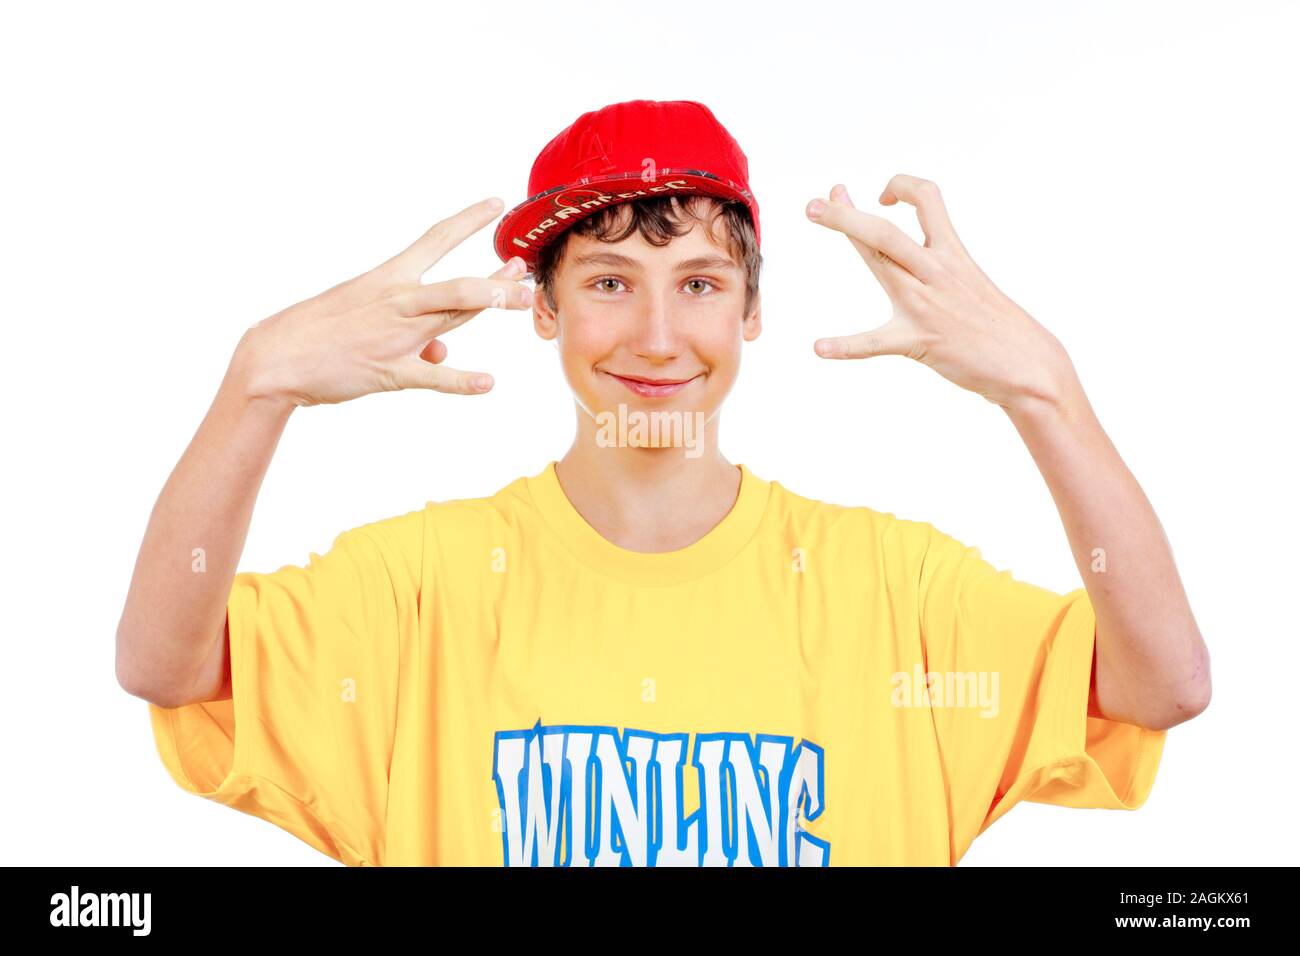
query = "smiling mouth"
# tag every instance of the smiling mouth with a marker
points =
(653, 387)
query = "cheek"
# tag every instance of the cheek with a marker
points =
(587, 332)
(585, 340)
(719, 343)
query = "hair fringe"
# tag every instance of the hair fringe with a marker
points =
(660, 219)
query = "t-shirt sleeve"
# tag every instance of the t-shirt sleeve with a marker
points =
(1028, 736)
(306, 740)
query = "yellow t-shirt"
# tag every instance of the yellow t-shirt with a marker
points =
(489, 681)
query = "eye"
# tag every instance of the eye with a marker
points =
(601, 288)
(703, 281)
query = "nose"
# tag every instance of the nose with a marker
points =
(657, 337)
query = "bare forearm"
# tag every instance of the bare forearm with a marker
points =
(1152, 666)
(174, 618)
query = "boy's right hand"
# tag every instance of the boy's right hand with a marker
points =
(378, 332)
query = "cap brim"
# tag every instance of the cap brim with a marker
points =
(537, 221)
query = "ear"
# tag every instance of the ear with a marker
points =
(752, 324)
(545, 321)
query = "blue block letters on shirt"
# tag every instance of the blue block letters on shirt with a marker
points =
(753, 797)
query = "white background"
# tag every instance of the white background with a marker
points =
(174, 173)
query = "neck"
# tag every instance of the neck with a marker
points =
(648, 499)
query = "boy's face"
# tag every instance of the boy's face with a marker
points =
(630, 310)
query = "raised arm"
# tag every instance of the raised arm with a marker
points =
(377, 332)
(1151, 666)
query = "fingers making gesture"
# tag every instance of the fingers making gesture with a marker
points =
(947, 313)
(379, 331)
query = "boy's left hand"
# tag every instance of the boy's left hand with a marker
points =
(947, 313)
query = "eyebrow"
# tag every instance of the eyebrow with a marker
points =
(623, 262)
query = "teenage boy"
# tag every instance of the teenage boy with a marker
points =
(643, 654)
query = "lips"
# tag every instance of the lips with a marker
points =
(652, 387)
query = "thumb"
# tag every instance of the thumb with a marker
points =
(892, 338)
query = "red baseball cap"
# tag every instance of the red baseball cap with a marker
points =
(622, 152)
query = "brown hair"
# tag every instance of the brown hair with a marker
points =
(660, 219)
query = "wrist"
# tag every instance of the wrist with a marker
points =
(250, 378)
(1063, 402)
(1049, 384)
